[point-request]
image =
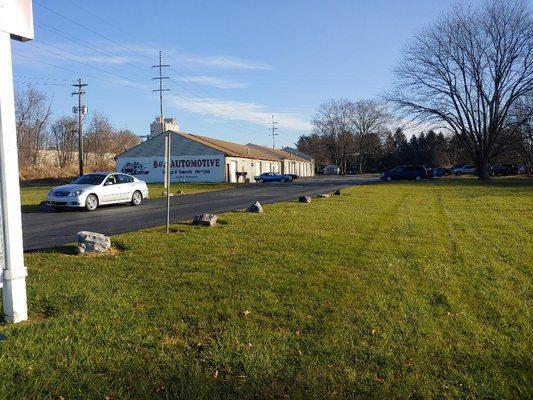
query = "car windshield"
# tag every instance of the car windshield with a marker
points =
(90, 179)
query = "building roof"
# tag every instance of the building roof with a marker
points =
(298, 153)
(280, 154)
(190, 144)
(231, 149)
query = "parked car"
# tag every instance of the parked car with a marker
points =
(331, 169)
(92, 190)
(465, 170)
(442, 171)
(503, 169)
(456, 166)
(273, 177)
(406, 172)
(292, 176)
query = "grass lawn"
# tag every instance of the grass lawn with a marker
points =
(402, 290)
(31, 196)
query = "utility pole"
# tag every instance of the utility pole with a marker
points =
(273, 134)
(167, 135)
(81, 110)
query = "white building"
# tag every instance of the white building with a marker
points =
(169, 124)
(290, 163)
(196, 158)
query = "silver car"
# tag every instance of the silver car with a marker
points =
(92, 190)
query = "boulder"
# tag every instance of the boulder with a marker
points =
(179, 192)
(92, 242)
(323, 195)
(304, 199)
(205, 220)
(337, 193)
(255, 208)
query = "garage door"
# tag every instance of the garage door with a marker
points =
(233, 171)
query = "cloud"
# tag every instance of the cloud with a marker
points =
(240, 111)
(221, 83)
(222, 62)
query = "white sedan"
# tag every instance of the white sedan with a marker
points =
(92, 190)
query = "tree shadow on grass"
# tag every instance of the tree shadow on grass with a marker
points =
(515, 182)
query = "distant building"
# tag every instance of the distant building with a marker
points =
(170, 124)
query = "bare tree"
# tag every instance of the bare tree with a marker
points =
(99, 140)
(63, 134)
(523, 114)
(313, 145)
(33, 112)
(124, 140)
(369, 125)
(467, 71)
(332, 121)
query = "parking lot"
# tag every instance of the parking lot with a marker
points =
(44, 229)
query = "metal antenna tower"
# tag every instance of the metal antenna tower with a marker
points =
(160, 78)
(81, 110)
(274, 134)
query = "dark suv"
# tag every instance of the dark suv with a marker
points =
(503, 169)
(409, 172)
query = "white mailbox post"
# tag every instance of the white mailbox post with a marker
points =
(16, 22)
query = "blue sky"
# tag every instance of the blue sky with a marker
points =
(234, 63)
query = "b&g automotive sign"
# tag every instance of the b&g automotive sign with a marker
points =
(182, 169)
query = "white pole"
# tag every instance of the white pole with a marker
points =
(14, 277)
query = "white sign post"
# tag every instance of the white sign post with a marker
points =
(16, 22)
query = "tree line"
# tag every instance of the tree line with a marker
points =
(48, 145)
(470, 75)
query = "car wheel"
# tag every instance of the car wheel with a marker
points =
(418, 178)
(388, 178)
(261, 180)
(91, 202)
(283, 180)
(136, 198)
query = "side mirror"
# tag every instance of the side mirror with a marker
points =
(107, 183)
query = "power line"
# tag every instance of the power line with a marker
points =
(142, 55)
(40, 78)
(44, 62)
(86, 44)
(234, 123)
(87, 29)
(39, 83)
(77, 58)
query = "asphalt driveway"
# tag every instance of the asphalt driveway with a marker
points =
(51, 229)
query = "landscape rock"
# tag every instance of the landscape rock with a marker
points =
(205, 220)
(337, 193)
(92, 242)
(179, 192)
(255, 208)
(304, 199)
(323, 195)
